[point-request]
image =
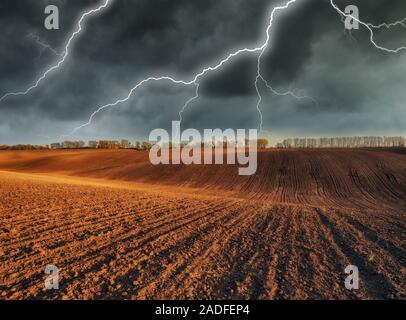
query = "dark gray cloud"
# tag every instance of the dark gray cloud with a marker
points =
(359, 89)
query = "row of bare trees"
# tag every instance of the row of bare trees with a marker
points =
(102, 144)
(105, 144)
(344, 142)
(23, 147)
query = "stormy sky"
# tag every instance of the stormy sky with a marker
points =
(359, 89)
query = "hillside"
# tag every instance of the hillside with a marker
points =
(338, 177)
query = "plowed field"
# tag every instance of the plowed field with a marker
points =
(120, 228)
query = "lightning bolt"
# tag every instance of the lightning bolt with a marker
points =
(65, 55)
(288, 93)
(195, 80)
(262, 50)
(371, 28)
(278, 93)
(195, 97)
(259, 78)
(389, 25)
(115, 104)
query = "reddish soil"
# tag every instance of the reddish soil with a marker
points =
(118, 227)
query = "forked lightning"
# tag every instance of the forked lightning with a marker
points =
(195, 79)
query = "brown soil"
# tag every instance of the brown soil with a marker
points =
(118, 227)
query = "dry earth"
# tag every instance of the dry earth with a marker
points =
(118, 227)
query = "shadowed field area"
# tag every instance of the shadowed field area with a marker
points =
(118, 227)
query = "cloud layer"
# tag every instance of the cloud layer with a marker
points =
(360, 90)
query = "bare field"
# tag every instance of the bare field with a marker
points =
(118, 227)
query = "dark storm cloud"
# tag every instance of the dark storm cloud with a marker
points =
(135, 39)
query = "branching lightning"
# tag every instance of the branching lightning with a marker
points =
(114, 104)
(195, 79)
(195, 97)
(401, 23)
(259, 78)
(65, 55)
(370, 28)
(278, 93)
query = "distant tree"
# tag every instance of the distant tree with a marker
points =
(125, 144)
(262, 143)
(146, 146)
(80, 144)
(93, 144)
(23, 147)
